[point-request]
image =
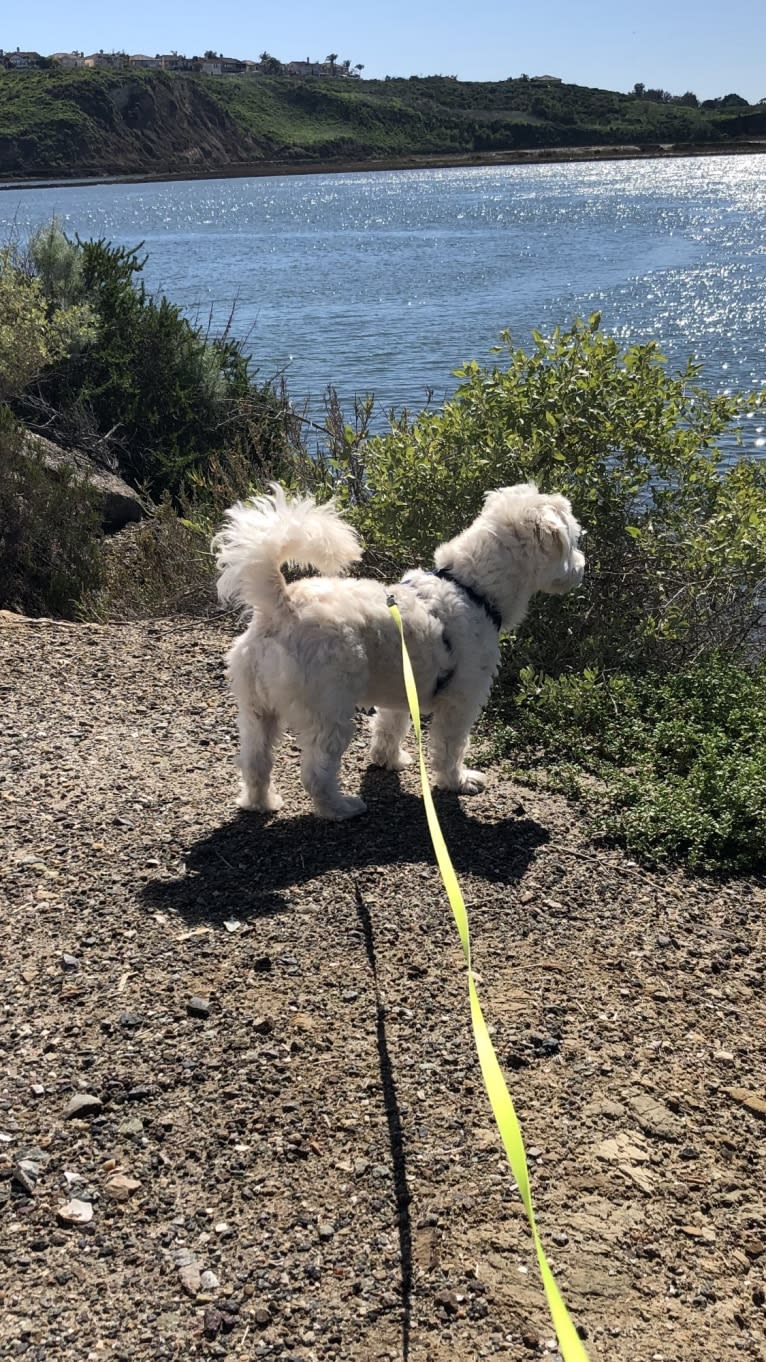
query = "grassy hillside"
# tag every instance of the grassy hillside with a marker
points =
(111, 122)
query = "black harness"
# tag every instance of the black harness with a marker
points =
(476, 598)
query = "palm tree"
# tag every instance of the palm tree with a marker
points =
(332, 57)
(270, 66)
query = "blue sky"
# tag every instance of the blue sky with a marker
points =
(700, 45)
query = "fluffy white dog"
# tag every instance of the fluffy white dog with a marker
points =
(322, 647)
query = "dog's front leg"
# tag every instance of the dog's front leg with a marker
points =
(450, 727)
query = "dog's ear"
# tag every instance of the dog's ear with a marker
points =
(551, 532)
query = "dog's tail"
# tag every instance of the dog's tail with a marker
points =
(265, 532)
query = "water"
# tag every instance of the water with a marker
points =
(386, 282)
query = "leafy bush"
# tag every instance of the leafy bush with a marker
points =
(679, 761)
(30, 338)
(152, 393)
(676, 543)
(161, 566)
(50, 531)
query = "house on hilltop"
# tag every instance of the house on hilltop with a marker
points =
(113, 60)
(173, 61)
(222, 66)
(308, 69)
(22, 61)
(68, 59)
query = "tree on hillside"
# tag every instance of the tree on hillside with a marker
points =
(332, 57)
(271, 66)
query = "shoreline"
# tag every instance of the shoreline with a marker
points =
(480, 160)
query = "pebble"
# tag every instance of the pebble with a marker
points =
(75, 1212)
(198, 1007)
(190, 1278)
(130, 1020)
(83, 1104)
(69, 963)
(121, 1186)
(132, 1128)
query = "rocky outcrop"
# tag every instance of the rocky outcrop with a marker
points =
(120, 503)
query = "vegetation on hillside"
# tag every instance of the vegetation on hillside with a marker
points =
(100, 121)
(642, 694)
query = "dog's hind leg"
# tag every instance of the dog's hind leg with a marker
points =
(322, 746)
(258, 734)
(450, 727)
(388, 730)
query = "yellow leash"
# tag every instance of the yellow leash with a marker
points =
(570, 1345)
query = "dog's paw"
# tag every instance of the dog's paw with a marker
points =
(271, 802)
(466, 783)
(348, 806)
(391, 761)
(471, 782)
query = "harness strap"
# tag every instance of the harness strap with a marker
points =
(489, 607)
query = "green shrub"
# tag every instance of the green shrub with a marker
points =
(31, 339)
(161, 566)
(676, 543)
(678, 761)
(50, 531)
(152, 393)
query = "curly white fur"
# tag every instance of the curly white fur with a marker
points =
(322, 647)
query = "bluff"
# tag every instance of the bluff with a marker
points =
(98, 122)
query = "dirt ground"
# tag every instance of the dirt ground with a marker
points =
(240, 1112)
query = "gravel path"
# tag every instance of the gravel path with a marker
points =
(240, 1113)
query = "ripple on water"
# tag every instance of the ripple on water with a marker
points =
(388, 281)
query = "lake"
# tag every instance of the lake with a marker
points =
(387, 281)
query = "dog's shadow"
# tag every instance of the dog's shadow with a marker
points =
(247, 867)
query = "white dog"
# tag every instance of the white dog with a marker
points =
(322, 647)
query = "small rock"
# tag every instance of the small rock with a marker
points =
(263, 1026)
(198, 1007)
(209, 1281)
(83, 1104)
(212, 1321)
(262, 1317)
(130, 1020)
(69, 963)
(25, 1175)
(724, 1056)
(140, 1093)
(449, 1301)
(75, 1212)
(751, 1100)
(189, 1275)
(132, 1128)
(121, 1186)
(262, 964)
(326, 1230)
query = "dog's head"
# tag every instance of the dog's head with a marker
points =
(544, 528)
